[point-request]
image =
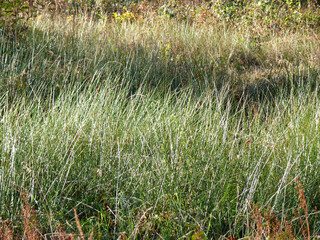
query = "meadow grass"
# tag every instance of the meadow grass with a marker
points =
(158, 129)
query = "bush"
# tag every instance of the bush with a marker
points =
(12, 11)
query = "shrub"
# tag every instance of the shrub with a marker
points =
(12, 11)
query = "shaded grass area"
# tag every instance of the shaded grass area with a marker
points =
(164, 54)
(159, 129)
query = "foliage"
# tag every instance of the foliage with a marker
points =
(13, 10)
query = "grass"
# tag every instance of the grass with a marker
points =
(159, 128)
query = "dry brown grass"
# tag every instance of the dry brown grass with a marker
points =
(266, 225)
(6, 231)
(305, 229)
(31, 230)
(28, 215)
